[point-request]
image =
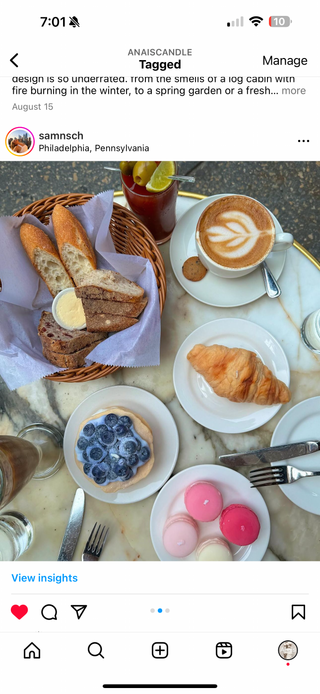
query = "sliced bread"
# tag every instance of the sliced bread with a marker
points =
(57, 339)
(108, 322)
(68, 361)
(116, 308)
(45, 258)
(75, 249)
(108, 285)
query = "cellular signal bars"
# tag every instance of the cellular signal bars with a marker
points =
(236, 23)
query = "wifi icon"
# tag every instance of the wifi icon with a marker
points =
(256, 20)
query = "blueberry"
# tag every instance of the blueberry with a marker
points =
(87, 468)
(111, 420)
(144, 454)
(123, 471)
(106, 437)
(89, 430)
(128, 446)
(99, 474)
(121, 430)
(82, 443)
(117, 467)
(125, 420)
(133, 460)
(138, 442)
(96, 453)
(85, 456)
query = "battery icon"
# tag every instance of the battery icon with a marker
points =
(280, 21)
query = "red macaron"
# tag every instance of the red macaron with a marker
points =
(239, 525)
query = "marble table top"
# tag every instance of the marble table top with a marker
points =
(295, 534)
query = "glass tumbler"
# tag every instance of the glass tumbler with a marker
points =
(16, 535)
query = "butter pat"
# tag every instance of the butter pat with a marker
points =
(68, 311)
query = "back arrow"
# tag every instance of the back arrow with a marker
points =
(12, 59)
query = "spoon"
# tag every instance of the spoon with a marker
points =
(272, 287)
(185, 179)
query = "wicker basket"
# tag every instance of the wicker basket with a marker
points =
(129, 236)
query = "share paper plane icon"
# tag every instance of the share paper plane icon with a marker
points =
(79, 609)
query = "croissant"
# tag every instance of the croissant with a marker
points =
(238, 374)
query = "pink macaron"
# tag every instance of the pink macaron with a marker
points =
(180, 535)
(239, 525)
(203, 501)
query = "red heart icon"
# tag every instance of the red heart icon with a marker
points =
(19, 611)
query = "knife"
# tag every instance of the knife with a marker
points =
(73, 528)
(271, 455)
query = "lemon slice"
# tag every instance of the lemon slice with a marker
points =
(159, 180)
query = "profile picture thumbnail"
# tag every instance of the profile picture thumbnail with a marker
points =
(288, 650)
(20, 141)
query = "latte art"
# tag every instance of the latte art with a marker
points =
(237, 238)
(236, 232)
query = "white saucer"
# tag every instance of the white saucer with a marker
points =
(214, 290)
(198, 398)
(165, 438)
(235, 489)
(301, 423)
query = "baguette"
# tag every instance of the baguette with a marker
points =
(104, 322)
(57, 339)
(75, 249)
(108, 285)
(45, 258)
(69, 361)
(116, 308)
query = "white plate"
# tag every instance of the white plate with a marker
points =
(235, 489)
(214, 290)
(198, 398)
(165, 438)
(301, 423)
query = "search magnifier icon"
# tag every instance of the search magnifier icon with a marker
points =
(95, 649)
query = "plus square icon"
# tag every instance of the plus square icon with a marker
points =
(160, 649)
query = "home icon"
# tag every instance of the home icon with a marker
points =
(31, 651)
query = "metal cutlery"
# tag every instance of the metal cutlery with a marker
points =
(273, 454)
(95, 545)
(281, 474)
(73, 528)
(272, 287)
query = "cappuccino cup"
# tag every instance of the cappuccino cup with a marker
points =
(235, 234)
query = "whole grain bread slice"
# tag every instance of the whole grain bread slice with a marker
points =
(108, 285)
(108, 322)
(57, 339)
(69, 361)
(116, 308)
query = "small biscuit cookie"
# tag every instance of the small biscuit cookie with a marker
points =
(193, 269)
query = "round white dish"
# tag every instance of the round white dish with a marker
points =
(214, 290)
(55, 314)
(301, 423)
(165, 439)
(235, 489)
(198, 398)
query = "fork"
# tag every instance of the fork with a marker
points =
(280, 474)
(95, 545)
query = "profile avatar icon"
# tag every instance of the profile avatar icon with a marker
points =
(20, 141)
(288, 650)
